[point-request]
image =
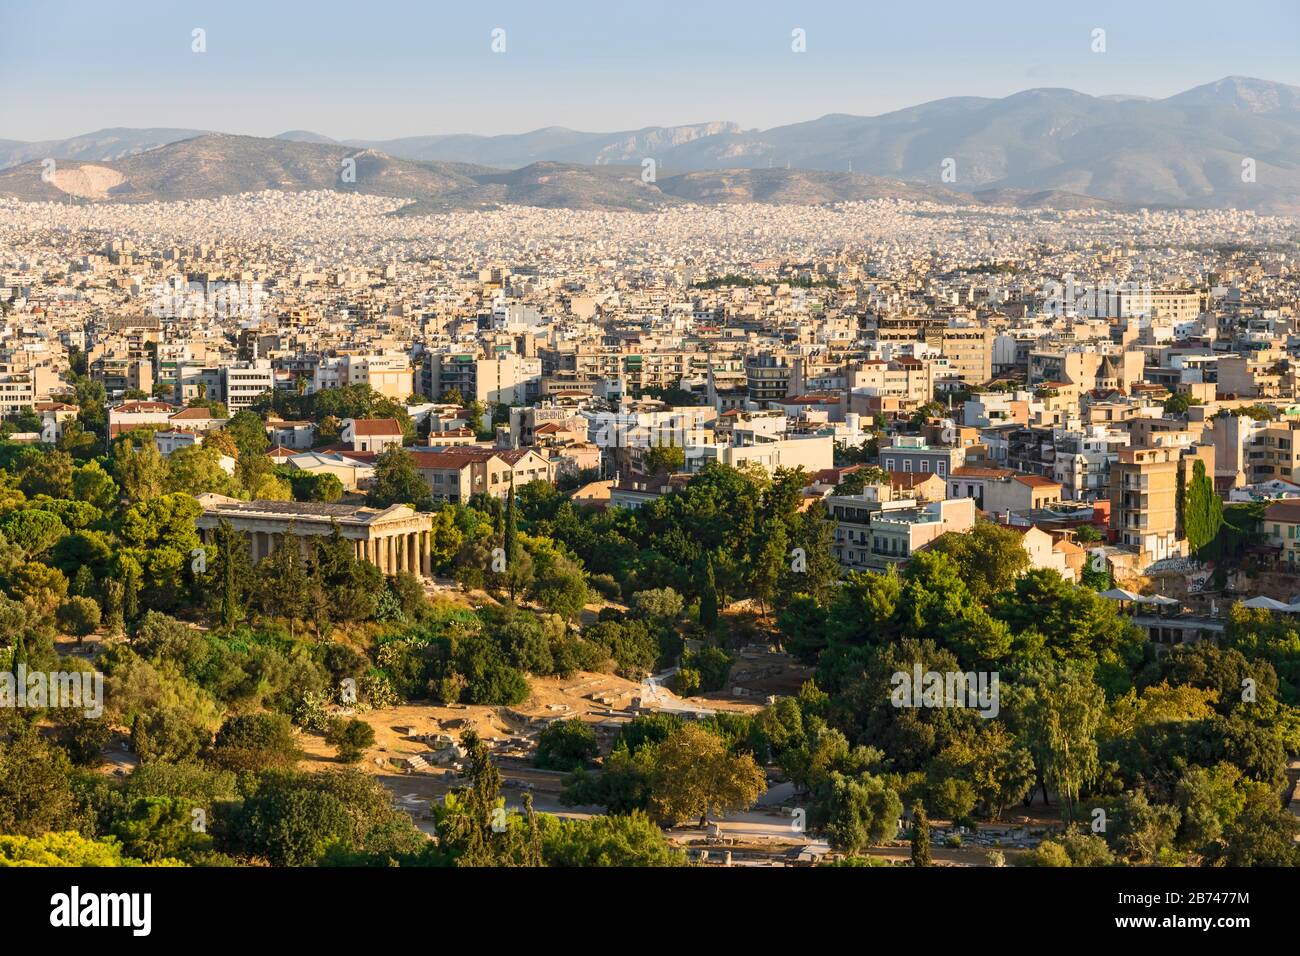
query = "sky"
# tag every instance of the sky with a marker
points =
(370, 69)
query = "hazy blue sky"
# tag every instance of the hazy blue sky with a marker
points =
(371, 69)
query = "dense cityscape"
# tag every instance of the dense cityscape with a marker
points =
(364, 524)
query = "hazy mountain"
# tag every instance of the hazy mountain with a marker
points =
(1232, 143)
(1242, 93)
(215, 164)
(304, 136)
(551, 144)
(796, 187)
(100, 146)
(1185, 150)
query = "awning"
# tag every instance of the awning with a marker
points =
(1267, 604)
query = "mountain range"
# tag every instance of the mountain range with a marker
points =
(1233, 143)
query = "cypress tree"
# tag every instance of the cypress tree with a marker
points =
(709, 598)
(920, 835)
(512, 523)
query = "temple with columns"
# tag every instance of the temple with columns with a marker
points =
(393, 539)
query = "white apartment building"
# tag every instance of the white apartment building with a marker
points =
(242, 383)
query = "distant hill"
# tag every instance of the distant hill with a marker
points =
(551, 144)
(1185, 150)
(304, 136)
(216, 164)
(798, 187)
(101, 146)
(1232, 143)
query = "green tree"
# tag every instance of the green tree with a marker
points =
(920, 836)
(154, 829)
(1263, 833)
(1060, 710)
(196, 470)
(140, 468)
(92, 484)
(695, 776)
(1202, 509)
(61, 849)
(856, 812)
(709, 598)
(36, 532)
(35, 786)
(79, 616)
(566, 745)
(249, 432)
(231, 572)
(989, 557)
(473, 824)
(616, 840)
(255, 742)
(350, 738)
(663, 459)
(398, 481)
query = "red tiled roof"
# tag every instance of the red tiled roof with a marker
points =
(458, 459)
(363, 457)
(1037, 481)
(139, 408)
(376, 426)
(192, 414)
(1285, 511)
(974, 471)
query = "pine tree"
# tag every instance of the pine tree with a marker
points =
(920, 835)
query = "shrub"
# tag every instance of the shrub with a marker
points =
(566, 745)
(350, 738)
(255, 742)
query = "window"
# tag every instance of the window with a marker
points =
(889, 464)
(907, 465)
